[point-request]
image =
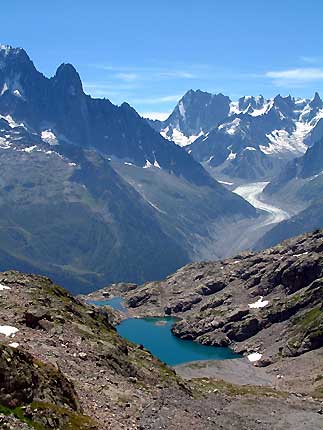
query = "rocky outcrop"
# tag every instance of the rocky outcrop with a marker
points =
(270, 302)
(25, 380)
(37, 393)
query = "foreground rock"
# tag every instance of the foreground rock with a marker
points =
(63, 366)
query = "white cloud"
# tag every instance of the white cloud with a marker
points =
(295, 76)
(311, 60)
(155, 100)
(127, 77)
(177, 74)
(156, 115)
(131, 73)
(118, 90)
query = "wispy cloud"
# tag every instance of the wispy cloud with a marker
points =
(106, 86)
(178, 74)
(161, 116)
(127, 77)
(127, 91)
(305, 74)
(295, 77)
(151, 73)
(120, 91)
(157, 100)
(310, 60)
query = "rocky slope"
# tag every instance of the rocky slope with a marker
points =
(63, 366)
(267, 303)
(66, 367)
(48, 196)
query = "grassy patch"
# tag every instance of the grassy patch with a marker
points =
(72, 421)
(318, 391)
(20, 415)
(309, 317)
(202, 386)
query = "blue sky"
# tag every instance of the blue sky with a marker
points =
(150, 53)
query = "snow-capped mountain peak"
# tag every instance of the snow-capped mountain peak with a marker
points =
(213, 127)
(195, 114)
(253, 106)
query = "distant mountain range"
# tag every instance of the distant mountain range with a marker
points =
(248, 139)
(90, 193)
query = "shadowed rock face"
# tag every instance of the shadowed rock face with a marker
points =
(197, 111)
(270, 302)
(60, 104)
(24, 380)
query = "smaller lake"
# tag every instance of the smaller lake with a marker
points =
(115, 303)
(156, 336)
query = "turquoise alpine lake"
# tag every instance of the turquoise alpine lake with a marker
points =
(156, 336)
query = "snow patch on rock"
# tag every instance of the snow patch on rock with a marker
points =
(255, 356)
(231, 127)
(181, 108)
(29, 149)
(147, 165)
(12, 123)
(156, 164)
(8, 330)
(232, 156)
(178, 137)
(14, 345)
(260, 303)
(49, 137)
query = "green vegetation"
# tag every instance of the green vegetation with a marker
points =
(310, 318)
(202, 386)
(68, 420)
(19, 413)
(309, 326)
(72, 420)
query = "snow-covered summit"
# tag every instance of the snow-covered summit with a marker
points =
(278, 125)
